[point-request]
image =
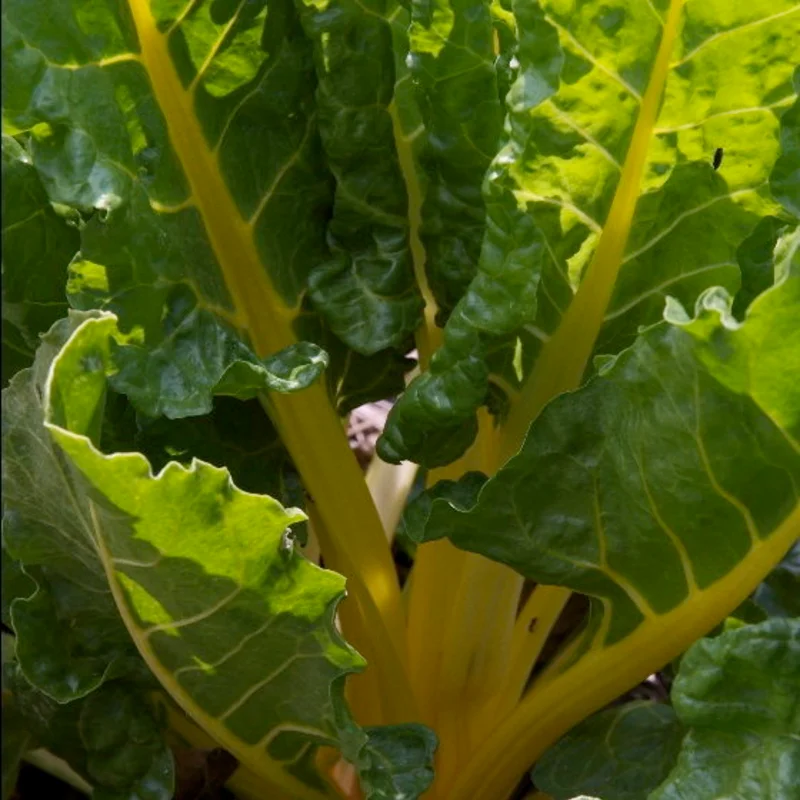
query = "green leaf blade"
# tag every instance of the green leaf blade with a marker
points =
(621, 753)
(366, 289)
(37, 247)
(737, 694)
(643, 532)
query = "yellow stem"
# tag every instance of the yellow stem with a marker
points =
(436, 575)
(428, 335)
(436, 578)
(306, 421)
(551, 708)
(475, 654)
(389, 486)
(362, 624)
(533, 627)
(561, 365)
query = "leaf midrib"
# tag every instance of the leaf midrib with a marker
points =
(563, 358)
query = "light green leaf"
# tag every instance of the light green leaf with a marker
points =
(738, 695)
(620, 754)
(228, 617)
(580, 140)
(70, 638)
(787, 253)
(37, 247)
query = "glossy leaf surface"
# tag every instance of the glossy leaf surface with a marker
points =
(38, 245)
(737, 695)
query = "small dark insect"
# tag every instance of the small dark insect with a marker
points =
(718, 157)
(532, 625)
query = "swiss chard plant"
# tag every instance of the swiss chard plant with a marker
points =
(564, 238)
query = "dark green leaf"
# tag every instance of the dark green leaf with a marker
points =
(738, 695)
(37, 247)
(452, 64)
(366, 288)
(461, 494)
(619, 754)
(112, 738)
(397, 762)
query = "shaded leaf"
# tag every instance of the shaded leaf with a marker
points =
(37, 247)
(738, 696)
(16, 741)
(366, 288)
(619, 754)
(779, 594)
(112, 738)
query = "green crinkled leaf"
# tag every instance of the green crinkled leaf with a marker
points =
(366, 289)
(619, 754)
(112, 738)
(201, 358)
(460, 494)
(571, 116)
(591, 502)
(738, 695)
(452, 64)
(398, 762)
(37, 247)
